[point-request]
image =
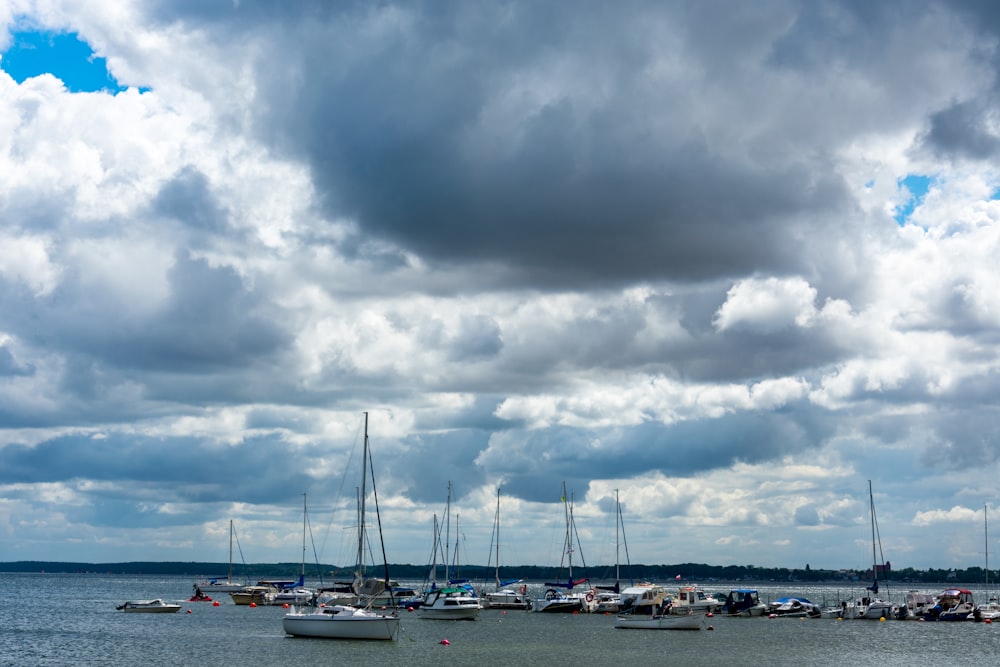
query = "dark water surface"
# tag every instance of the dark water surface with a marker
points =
(61, 619)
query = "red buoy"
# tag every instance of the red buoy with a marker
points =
(445, 642)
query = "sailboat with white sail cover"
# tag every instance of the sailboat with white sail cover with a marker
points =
(344, 621)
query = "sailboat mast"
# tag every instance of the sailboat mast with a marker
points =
(497, 522)
(447, 536)
(618, 514)
(986, 539)
(568, 509)
(871, 503)
(361, 505)
(230, 579)
(303, 537)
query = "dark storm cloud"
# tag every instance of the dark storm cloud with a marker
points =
(964, 130)
(455, 134)
(188, 198)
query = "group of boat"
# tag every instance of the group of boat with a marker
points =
(368, 607)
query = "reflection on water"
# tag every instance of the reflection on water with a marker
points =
(64, 620)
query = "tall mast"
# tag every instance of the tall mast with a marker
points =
(497, 522)
(230, 579)
(361, 512)
(871, 502)
(569, 534)
(618, 515)
(303, 537)
(447, 536)
(986, 538)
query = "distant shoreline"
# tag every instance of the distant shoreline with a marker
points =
(677, 572)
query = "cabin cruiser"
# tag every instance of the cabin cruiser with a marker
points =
(694, 599)
(507, 598)
(450, 602)
(952, 604)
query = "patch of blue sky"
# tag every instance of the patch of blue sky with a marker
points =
(916, 186)
(63, 55)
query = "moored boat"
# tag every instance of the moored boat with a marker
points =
(156, 606)
(508, 598)
(743, 602)
(556, 601)
(343, 621)
(694, 599)
(794, 607)
(666, 621)
(450, 603)
(258, 595)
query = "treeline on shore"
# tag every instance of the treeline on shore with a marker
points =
(687, 571)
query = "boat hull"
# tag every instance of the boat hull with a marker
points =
(150, 607)
(667, 622)
(354, 625)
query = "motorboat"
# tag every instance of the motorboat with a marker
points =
(694, 599)
(743, 602)
(794, 607)
(556, 601)
(156, 606)
(643, 599)
(952, 604)
(607, 602)
(916, 605)
(661, 621)
(450, 603)
(507, 598)
(868, 608)
(258, 595)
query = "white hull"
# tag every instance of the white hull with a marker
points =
(506, 600)
(668, 622)
(149, 607)
(563, 605)
(459, 614)
(339, 622)
(213, 589)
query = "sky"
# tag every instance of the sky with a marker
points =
(726, 262)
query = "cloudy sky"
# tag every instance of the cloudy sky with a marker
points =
(733, 260)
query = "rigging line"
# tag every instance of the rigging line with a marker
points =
(338, 497)
(378, 517)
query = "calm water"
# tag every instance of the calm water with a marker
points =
(48, 619)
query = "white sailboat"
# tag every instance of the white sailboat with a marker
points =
(871, 607)
(505, 596)
(217, 585)
(344, 621)
(556, 600)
